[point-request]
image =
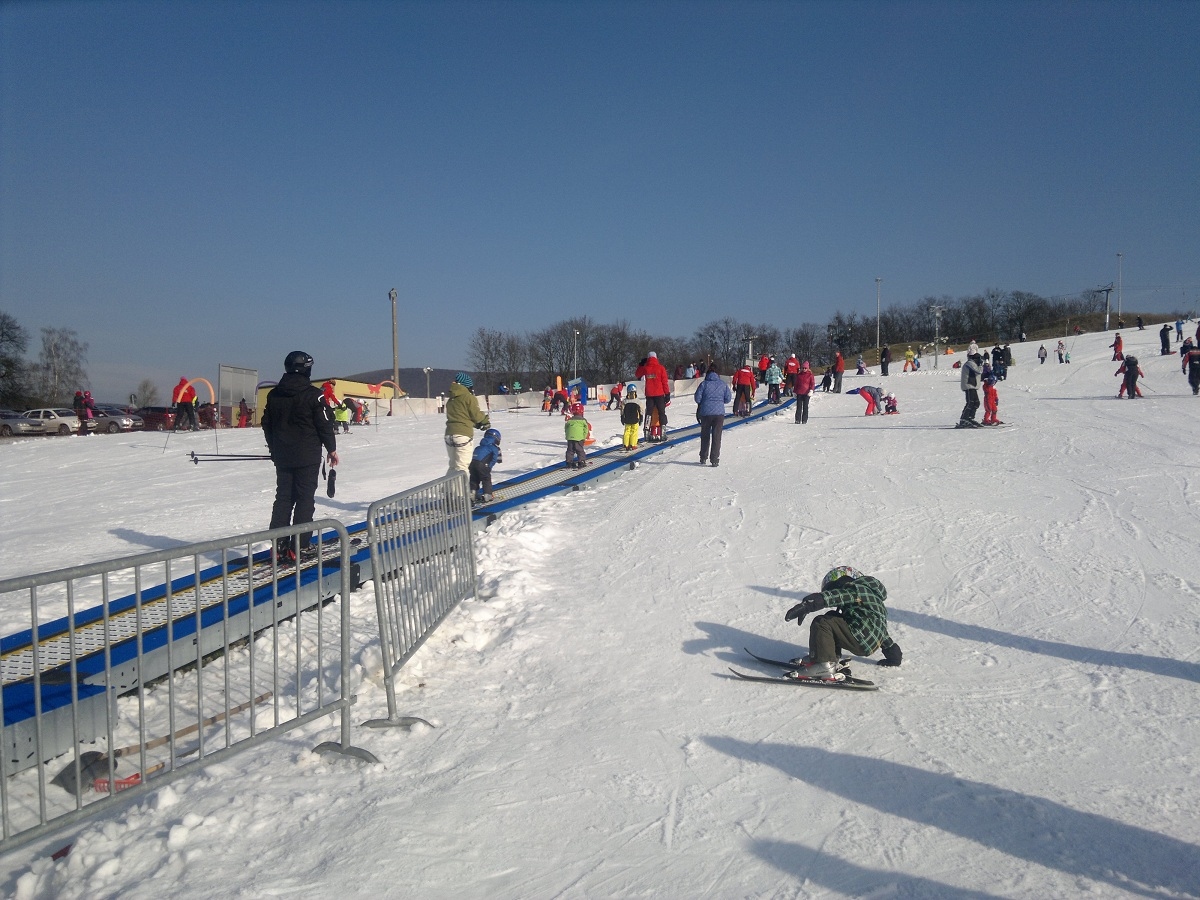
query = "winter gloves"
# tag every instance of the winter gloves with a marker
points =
(892, 655)
(809, 604)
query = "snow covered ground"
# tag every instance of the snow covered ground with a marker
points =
(1039, 740)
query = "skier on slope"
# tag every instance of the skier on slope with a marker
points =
(1191, 365)
(857, 624)
(1131, 370)
(970, 382)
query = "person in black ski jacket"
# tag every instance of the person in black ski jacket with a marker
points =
(857, 625)
(297, 425)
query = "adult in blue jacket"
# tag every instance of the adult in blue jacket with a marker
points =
(711, 398)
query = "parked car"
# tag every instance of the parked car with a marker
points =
(55, 421)
(12, 422)
(112, 419)
(157, 418)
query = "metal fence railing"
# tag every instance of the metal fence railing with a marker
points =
(422, 565)
(132, 670)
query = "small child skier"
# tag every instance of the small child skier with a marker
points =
(858, 624)
(890, 406)
(631, 418)
(1131, 370)
(576, 430)
(991, 402)
(486, 455)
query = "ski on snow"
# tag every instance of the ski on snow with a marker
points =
(847, 684)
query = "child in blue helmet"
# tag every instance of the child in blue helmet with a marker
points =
(857, 625)
(486, 455)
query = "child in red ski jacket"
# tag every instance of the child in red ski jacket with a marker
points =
(991, 402)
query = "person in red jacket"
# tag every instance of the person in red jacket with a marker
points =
(1117, 346)
(764, 363)
(184, 398)
(839, 366)
(806, 384)
(658, 388)
(791, 369)
(744, 385)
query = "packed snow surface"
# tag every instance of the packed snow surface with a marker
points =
(1039, 740)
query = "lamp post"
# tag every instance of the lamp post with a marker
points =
(575, 347)
(395, 350)
(878, 282)
(937, 328)
(427, 370)
(750, 339)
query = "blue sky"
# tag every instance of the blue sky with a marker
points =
(187, 184)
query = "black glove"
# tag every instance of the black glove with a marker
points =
(809, 604)
(892, 656)
(331, 482)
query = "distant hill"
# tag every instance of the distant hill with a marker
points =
(412, 381)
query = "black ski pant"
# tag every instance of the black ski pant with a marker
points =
(481, 476)
(829, 637)
(658, 402)
(972, 405)
(837, 382)
(802, 409)
(1194, 377)
(710, 438)
(295, 488)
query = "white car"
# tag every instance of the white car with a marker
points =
(55, 421)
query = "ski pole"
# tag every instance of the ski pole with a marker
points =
(198, 458)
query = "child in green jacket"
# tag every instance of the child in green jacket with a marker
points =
(576, 429)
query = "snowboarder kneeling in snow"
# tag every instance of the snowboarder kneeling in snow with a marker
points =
(857, 625)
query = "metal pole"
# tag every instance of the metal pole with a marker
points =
(937, 328)
(427, 371)
(1119, 255)
(575, 364)
(878, 282)
(395, 351)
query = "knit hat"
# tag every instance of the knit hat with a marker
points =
(465, 380)
(804, 365)
(651, 355)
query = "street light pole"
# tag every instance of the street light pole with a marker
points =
(427, 370)
(575, 365)
(395, 349)
(937, 328)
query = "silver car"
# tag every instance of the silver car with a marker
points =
(111, 419)
(12, 422)
(54, 421)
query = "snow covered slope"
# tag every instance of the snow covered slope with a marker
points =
(1039, 740)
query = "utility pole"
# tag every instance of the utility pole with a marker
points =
(1119, 255)
(1107, 294)
(878, 282)
(395, 350)
(427, 371)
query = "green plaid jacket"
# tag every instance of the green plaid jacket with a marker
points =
(860, 602)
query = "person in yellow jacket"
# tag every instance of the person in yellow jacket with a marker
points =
(909, 356)
(462, 415)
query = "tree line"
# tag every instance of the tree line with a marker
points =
(54, 375)
(604, 353)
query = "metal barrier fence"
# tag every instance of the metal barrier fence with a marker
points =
(422, 564)
(167, 660)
